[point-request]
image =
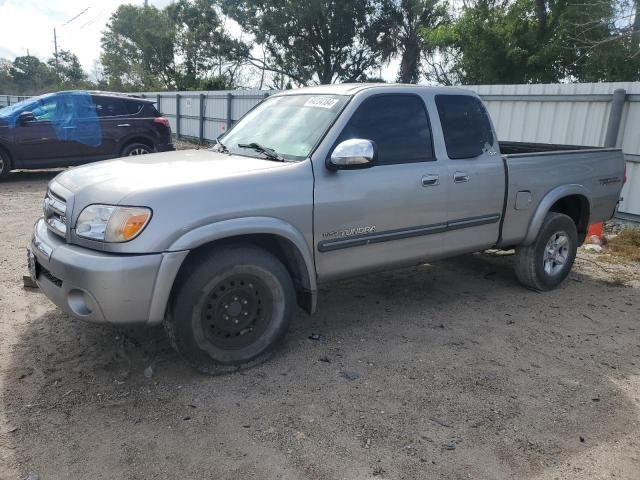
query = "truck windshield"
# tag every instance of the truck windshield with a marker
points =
(290, 125)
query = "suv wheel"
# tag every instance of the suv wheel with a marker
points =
(5, 164)
(545, 263)
(136, 149)
(230, 309)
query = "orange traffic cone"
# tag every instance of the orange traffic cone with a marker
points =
(594, 233)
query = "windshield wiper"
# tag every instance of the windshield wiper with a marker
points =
(268, 152)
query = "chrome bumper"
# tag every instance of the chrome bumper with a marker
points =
(102, 287)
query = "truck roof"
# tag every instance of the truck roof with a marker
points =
(354, 88)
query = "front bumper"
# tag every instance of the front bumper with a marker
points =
(102, 287)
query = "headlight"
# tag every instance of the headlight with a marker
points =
(108, 223)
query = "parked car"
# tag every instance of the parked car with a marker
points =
(311, 186)
(71, 128)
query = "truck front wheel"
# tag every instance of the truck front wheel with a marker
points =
(230, 309)
(545, 263)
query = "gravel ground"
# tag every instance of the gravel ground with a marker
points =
(448, 370)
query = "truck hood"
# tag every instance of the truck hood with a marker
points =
(112, 181)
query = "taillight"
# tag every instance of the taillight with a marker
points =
(162, 121)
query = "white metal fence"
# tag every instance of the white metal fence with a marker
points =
(594, 114)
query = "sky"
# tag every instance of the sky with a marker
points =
(27, 26)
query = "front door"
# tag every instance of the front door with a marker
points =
(393, 213)
(43, 141)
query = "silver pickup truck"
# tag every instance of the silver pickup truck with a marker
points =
(311, 186)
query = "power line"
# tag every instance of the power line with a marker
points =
(72, 19)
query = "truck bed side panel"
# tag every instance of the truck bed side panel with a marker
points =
(599, 172)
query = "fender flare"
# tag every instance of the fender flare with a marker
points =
(545, 205)
(253, 226)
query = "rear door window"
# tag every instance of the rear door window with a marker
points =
(465, 125)
(132, 107)
(397, 124)
(109, 106)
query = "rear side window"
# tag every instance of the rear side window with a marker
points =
(132, 108)
(109, 106)
(465, 125)
(148, 109)
(397, 124)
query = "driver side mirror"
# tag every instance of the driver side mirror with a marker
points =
(352, 154)
(26, 117)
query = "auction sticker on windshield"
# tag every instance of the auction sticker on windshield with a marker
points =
(321, 102)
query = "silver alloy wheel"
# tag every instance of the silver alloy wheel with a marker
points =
(1, 164)
(556, 253)
(138, 151)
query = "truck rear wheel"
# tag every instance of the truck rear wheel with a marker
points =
(230, 309)
(545, 263)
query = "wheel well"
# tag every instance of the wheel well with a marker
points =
(576, 207)
(145, 141)
(280, 247)
(6, 151)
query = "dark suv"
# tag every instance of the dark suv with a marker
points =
(71, 128)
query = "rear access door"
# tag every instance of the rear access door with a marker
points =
(476, 174)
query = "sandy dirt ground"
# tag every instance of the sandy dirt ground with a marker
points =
(450, 370)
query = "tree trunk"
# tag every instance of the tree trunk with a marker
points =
(541, 15)
(635, 36)
(410, 63)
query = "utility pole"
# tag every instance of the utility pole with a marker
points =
(55, 47)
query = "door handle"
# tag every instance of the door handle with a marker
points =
(430, 180)
(124, 125)
(460, 177)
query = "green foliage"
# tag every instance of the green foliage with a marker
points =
(27, 75)
(203, 44)
(138, 49)
(398, 32)
(187, 45)
(183, 46)
(533, 41)
(31, 76)
(67, 70)
(311, 41)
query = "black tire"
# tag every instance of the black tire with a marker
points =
(136, 149)
(230, 309)
(545, 263)
(5, 164)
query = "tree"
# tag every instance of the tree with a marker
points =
(401, 24)
(138, 49)
(7, 85)
(203, 44)
(310, 41)
(31, 76)
(529, 41)
(67, 69)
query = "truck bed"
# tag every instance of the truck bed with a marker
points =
(535, 169)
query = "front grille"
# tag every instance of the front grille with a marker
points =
(55, 213)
